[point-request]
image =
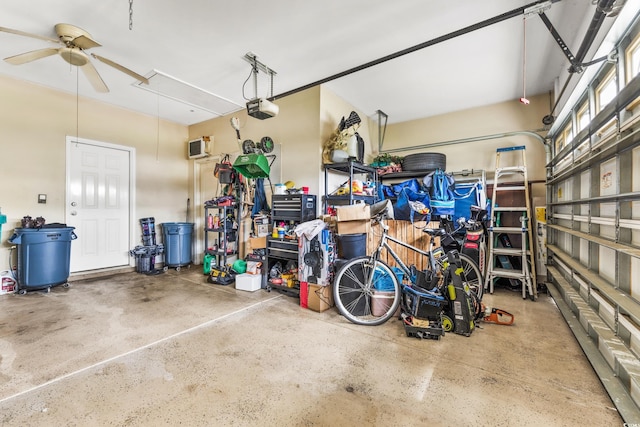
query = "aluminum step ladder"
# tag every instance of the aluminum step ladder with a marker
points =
(511, 179)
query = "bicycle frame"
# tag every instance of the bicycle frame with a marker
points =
(385, 245)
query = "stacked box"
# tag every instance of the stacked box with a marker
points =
(353, 219)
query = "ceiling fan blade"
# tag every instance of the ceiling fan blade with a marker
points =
(23, 58)
(121, 68)
(84, 42)
(22, 33)
(94, 78)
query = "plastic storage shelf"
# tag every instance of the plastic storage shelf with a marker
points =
(227, 241)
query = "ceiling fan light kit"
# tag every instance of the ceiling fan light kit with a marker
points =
(75, 42)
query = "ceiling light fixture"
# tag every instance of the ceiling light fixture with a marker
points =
(260, 108)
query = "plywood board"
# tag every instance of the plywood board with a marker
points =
(407, 232)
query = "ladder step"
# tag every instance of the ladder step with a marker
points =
(510, 251)
(510, 209)
(511, 188)
(509, 274)
(517, 148)
(519, 169)
(507, 229)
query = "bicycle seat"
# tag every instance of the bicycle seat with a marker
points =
(383, 208)
(434, 232)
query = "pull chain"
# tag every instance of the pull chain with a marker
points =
(130, 14)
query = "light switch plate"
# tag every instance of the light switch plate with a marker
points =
(42, 198)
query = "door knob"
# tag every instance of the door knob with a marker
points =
(73, 204)
(74, 213)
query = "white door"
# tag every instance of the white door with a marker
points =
(98, 204)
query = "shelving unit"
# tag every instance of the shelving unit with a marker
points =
(349, 169)
(225, 246)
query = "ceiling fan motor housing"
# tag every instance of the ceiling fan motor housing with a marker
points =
(74, 56)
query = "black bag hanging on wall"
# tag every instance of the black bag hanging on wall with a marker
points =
(224, 171)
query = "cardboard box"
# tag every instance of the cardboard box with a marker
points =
(360, 211)
(319, 298)
(354, 227)
(354, 219)
(257, 242)
(248, 282)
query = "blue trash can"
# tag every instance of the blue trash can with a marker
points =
(44, 256)
(177, 243)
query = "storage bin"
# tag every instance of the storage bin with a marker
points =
(177, 243)
(146, 257)
(352, 245)
(382, 281)
(248, 282)
(381, 301)
(44, 256)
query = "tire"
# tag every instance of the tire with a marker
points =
(424, 162)
(354, 286)
(471, 275)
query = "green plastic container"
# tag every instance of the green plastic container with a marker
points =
(3, 220)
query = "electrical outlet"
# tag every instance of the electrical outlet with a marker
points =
(42, 198)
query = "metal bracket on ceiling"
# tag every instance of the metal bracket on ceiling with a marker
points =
(252, 59)
(537, 9)
(382, 129)
(256, 66)
(575, 67)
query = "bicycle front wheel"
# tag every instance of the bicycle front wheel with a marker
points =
(366, 291)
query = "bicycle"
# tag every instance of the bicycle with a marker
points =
(362, 282)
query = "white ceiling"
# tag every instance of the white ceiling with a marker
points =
(202, 43)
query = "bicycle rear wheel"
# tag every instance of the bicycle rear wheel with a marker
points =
(472, 275)
(366, 291)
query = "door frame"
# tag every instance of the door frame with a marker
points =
(132, 179)
(197, 202)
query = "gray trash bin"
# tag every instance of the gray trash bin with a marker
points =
(177, 243)
(44, 256)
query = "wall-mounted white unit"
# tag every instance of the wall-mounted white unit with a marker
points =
(200, 147)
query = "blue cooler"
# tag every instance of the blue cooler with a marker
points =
(44, 256)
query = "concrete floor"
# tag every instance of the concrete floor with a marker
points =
(136, 350)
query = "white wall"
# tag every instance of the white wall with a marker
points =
(34, 123)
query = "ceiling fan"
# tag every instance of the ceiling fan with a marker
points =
(75, 41)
